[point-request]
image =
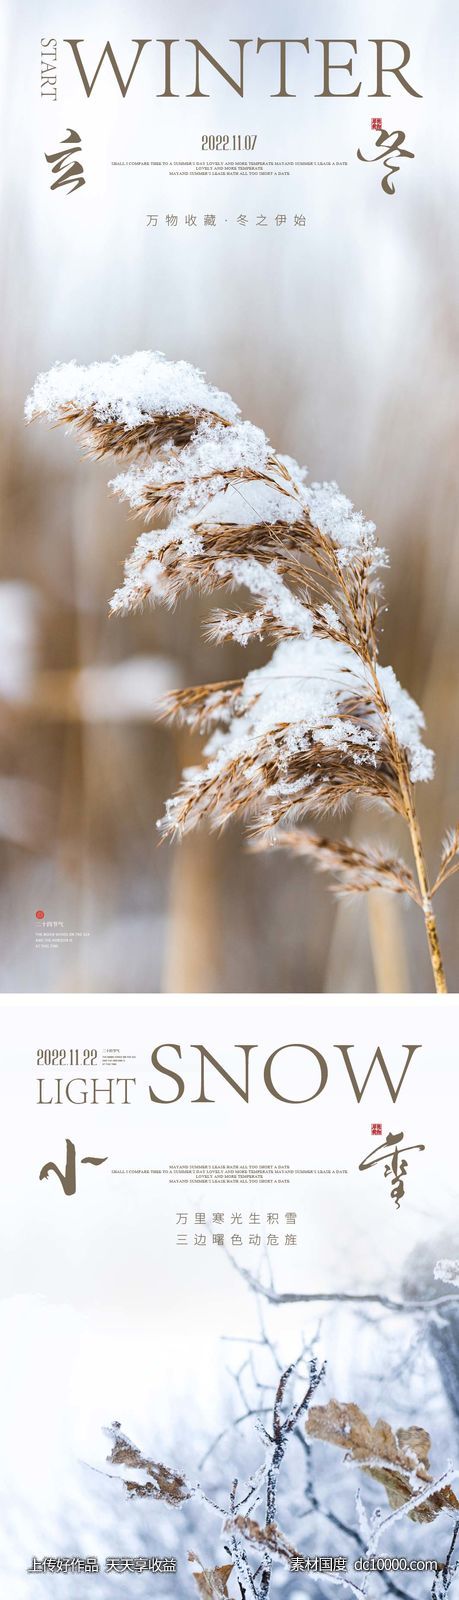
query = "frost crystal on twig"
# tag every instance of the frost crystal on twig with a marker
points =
(322, 722)
(447, 1272)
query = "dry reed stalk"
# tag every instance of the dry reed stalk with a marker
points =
(321, 723)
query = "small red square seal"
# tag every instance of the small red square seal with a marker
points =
(376, 1127)
(376, 123)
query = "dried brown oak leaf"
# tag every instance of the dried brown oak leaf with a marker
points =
(212, 1582)
(162, 1482)
(399, 1461)
(270, 1537)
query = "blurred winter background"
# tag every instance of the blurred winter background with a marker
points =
(340, 339)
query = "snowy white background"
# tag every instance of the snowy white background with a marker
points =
(103, 1317)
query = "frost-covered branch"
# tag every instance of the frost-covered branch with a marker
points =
(282, 1429)
(362, 1535)
(442, 1582)
(279, 1297)
(241, 1533)
(398, 1461)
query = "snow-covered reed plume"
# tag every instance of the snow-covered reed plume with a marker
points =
(322, 722)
